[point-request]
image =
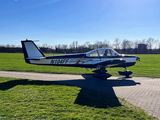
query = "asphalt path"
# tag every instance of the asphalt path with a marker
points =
(140, 91)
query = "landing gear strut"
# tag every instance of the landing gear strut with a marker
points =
(126, 73)
(101, 73)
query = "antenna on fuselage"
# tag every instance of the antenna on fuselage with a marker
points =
(64, 52)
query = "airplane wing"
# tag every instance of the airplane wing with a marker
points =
(111, 62)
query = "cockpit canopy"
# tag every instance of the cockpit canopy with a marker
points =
(103, 52)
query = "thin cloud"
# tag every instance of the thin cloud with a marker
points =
(47, 2)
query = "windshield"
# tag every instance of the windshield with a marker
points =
(115, 53)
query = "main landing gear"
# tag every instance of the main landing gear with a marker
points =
(126, 73)
(101, 73)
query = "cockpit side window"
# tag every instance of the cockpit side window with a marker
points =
(105, 52)
(93, 54)
(102, 53)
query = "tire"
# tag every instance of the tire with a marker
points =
(104, 78)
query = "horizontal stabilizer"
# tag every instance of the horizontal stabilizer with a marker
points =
(35, 58)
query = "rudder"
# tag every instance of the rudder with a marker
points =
(31, 51)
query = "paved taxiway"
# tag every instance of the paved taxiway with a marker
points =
(140, 91)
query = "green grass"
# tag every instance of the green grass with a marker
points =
(147, 67)
(15, 62)
(30, 99)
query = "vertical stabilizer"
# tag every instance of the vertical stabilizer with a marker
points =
(31, 51)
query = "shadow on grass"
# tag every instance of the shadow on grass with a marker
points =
(13, 83)
(87, 97)
(93, 92)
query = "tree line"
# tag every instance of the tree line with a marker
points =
(145, 46)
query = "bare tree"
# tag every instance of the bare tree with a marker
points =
(64, 46)
(136, 43)
(124, 44)
(156, 44)
(98, 44)
(150, 43)
(127, 45)
(117, 43)
(74, 44)
(87, 44)
(106, 44)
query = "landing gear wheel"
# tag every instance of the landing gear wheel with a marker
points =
(101, 70)
(101, 73)
(104, 78)
(126, 73)
(127, 76)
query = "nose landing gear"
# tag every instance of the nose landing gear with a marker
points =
(126, 73)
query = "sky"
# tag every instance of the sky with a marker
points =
(63, 21)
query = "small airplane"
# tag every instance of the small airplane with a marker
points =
(100, 59)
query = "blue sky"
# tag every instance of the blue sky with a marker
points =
(64, 21)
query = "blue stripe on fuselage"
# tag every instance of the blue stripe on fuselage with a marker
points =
(83, 55)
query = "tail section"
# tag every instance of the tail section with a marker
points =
(31, 51)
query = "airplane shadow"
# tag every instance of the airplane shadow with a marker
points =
(93, 91)
(93, 85)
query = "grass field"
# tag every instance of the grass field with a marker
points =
(27, 99)
(147, 67)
